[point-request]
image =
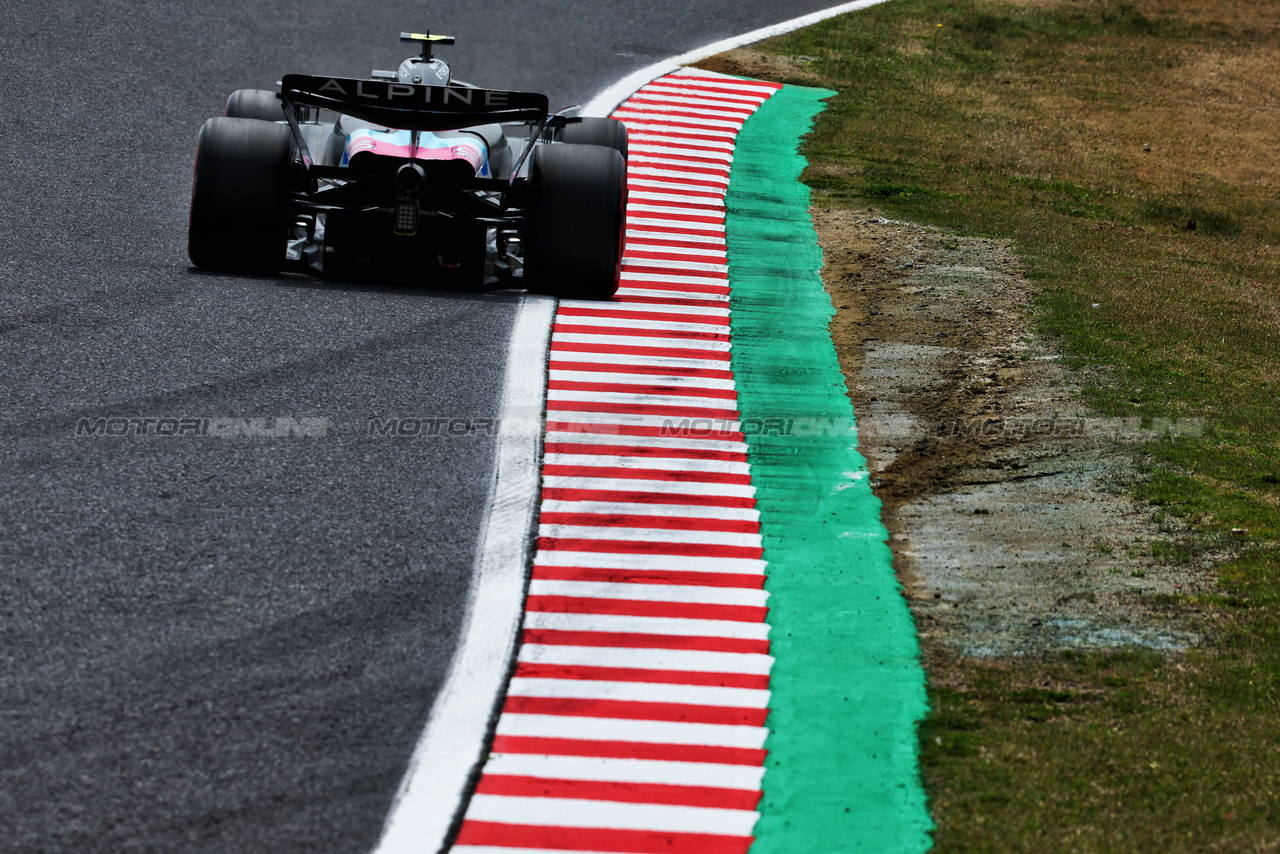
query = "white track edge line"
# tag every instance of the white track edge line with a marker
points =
(452, 743)
(604, 103)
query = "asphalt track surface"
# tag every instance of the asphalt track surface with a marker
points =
(231, 644)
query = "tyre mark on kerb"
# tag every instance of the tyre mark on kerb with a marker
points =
(645, 634)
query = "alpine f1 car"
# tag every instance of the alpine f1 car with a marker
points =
(442, 181)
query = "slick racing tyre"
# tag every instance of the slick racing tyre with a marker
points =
(574, 230)
(590, 130)
(240, 196)
(254, 104)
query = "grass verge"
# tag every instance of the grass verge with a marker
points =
(1130, 151)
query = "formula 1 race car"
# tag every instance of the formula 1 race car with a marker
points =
(412, 171)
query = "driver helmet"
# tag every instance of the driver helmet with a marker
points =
(424, 72)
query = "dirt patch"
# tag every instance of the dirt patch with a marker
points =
(745, 62)
(1010, 528)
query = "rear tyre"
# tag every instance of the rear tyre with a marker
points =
(574, 229)
(240, 196)
(590, 130)
(255, 104)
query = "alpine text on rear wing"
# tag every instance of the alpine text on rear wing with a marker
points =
(409, 106)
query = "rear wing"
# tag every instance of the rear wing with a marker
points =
(407, 106)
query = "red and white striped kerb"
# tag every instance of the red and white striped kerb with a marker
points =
(635, 718)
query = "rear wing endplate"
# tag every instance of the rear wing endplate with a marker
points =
(407, 106)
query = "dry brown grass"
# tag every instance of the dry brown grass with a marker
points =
(1210, 117)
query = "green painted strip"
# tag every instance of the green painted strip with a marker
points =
(847, 687)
